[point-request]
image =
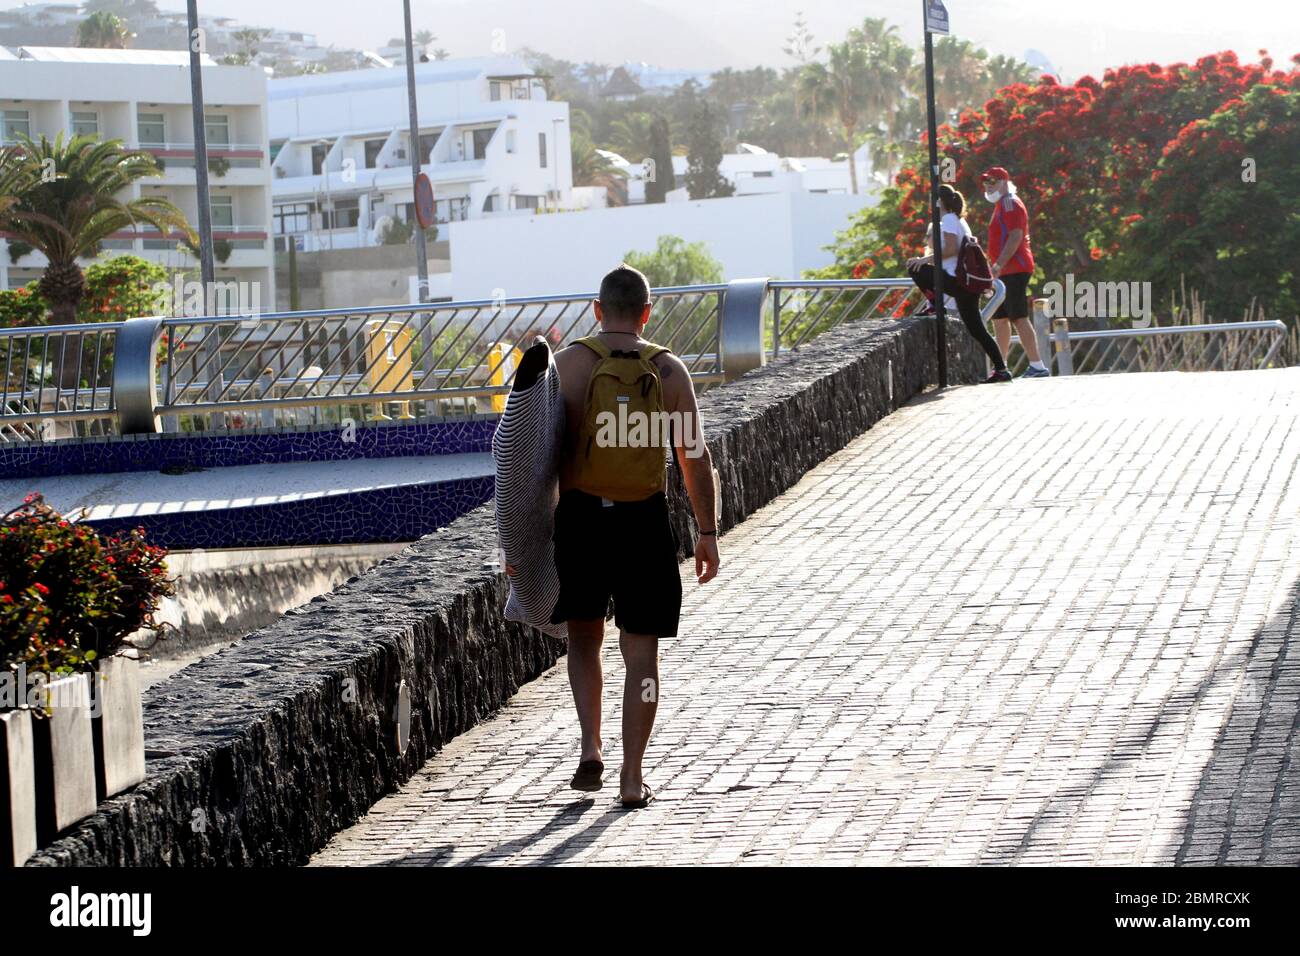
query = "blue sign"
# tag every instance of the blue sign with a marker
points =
(936, 17)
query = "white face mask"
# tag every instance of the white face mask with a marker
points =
(992, 196)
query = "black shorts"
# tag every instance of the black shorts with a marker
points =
(1016, 304)
(626, 552)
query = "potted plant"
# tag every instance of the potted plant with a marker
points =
(71, 598)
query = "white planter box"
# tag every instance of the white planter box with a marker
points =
(118, 726)
(64, 756)
(17, 789)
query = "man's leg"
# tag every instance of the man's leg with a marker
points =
(640, 703)
(587, 681)
(1002, 330)
(1025, 329)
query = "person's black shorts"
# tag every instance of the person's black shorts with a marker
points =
(626, 551)
(1016, 304)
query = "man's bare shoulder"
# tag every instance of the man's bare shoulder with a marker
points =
(676, 380)
(669, 365)
(572, 356)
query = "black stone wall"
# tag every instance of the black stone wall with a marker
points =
(258, 754)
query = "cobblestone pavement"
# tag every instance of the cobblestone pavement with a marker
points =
(1048, 622)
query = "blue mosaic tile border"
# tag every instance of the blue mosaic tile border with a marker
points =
(378, 515)
(94, 456)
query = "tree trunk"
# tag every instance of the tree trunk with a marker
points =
(853, 161)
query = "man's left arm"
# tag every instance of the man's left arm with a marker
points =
(695, 462)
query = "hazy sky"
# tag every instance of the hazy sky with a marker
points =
(1079, 37)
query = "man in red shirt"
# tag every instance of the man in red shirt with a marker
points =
(1013, 263)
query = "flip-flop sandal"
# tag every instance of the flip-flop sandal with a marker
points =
(646, 796)
(590, 776)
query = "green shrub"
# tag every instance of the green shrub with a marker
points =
(68, 595)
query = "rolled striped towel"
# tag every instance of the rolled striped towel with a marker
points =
(526, 448)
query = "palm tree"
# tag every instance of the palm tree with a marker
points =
(66, 216)
(632, 136)
(1001, 71)
(12, 171)
(838, 89)
(103, 30)
(595, 75)
(959, 75)
(590, 168)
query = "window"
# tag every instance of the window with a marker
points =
(318, 153)
(223, 212)
(541, 149)
(217, 129)
(508, 89)
(481, 138)
(526, 202)
(85, 123)
(373, 148)
(151, 128)
(345, 215)
(291, 218)
(427, 142)
(14, 123)
(455, 209)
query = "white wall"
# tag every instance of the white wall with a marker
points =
(777, 235)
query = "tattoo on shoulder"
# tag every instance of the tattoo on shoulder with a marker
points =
(666, 369)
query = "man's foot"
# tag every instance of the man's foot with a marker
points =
(590, 776)
(1001, 375)
(1032, 372)
(638, 803)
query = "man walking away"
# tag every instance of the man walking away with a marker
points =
(613, 537)
(1013, 262)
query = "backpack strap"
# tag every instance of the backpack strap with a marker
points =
(596, 345)
(648, 351)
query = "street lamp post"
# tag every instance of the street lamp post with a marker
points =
(206, 267)
(421, 253)
(327, 215)
(936, 239)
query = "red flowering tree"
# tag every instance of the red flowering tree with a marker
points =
(1084, 158)
(1222, 206)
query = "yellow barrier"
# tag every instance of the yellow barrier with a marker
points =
(388, 357)
(504, 359)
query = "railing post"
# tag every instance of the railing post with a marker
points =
(135, 376)
(1064, 358)
(740, 327)
(1042, 313)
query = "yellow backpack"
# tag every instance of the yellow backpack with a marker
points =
(621, 446)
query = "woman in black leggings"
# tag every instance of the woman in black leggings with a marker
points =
(952, 227)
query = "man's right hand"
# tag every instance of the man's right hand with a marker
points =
(706, 558)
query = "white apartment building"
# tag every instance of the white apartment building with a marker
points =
(490, 141)
(754, 171)
(142, 97)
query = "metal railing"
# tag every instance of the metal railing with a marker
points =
(1204, 347)
(307, 368)
(802, 309)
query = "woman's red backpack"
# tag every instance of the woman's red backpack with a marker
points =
(974, 274)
